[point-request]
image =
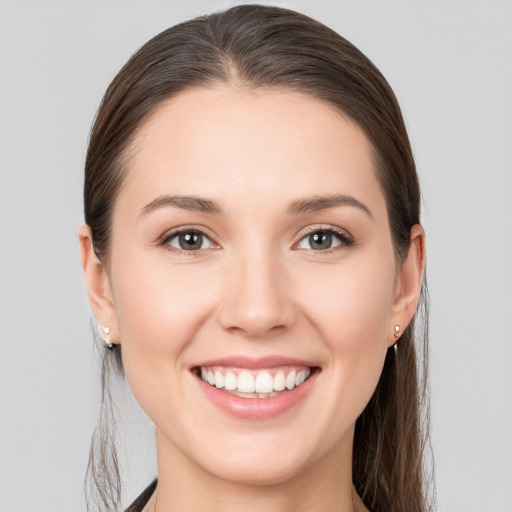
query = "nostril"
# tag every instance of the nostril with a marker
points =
(254, 322)
(257, 300)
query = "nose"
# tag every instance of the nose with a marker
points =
(257, 301)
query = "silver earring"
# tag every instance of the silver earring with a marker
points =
(104, 332)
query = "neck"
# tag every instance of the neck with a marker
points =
(325, 485)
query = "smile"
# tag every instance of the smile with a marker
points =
(245, 383)
(277, 383)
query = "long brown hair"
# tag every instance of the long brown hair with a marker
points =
(267, 47)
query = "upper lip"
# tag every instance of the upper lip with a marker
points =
(255, 363)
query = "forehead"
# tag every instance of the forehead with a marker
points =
(227, 143)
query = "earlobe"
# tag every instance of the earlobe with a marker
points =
(98, 284)
(409, 283)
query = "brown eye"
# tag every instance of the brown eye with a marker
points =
(189, 241)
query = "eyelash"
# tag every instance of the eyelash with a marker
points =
(343, 237)
(165, 240)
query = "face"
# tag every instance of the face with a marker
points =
(251, 248)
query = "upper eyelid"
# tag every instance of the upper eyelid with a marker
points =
(168, 235)
(323, 227)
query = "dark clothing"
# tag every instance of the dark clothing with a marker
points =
(141, 501)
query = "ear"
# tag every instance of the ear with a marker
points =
(98, 284)
(408, 285)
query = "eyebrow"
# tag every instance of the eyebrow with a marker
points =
(193, 203)
(305, 205)
(318, 203)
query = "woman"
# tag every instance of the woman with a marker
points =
(254, 258)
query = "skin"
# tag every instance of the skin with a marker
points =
(257, 287)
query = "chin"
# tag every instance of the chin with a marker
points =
(260, 461)
(256, 473)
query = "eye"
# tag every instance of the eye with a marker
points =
(188, 240)
(324, 240)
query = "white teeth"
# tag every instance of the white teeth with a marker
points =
(245, 382)
(245, 395)
(264, 383)
(304, 374)
(219, 380)
(290, 380)
(279, 381)
(230, 381)
(254, 385)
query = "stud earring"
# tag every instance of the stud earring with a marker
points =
(104, 332)
(397, 335)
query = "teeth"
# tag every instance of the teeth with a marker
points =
(219, 380)
(290, 380)
(245, 395)
(264, 383)
(299, 379)
(230, 381)
(279, 381)
(246, 382)
(256, 384)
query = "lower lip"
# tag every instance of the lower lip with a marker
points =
(257, 408)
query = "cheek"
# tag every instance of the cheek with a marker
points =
(351, 311)
(159, 309)
(352, 305)
(158, 302)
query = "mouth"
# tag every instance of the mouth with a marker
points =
(254, 384)
(255, 389)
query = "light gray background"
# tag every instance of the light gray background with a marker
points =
(450, 64)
